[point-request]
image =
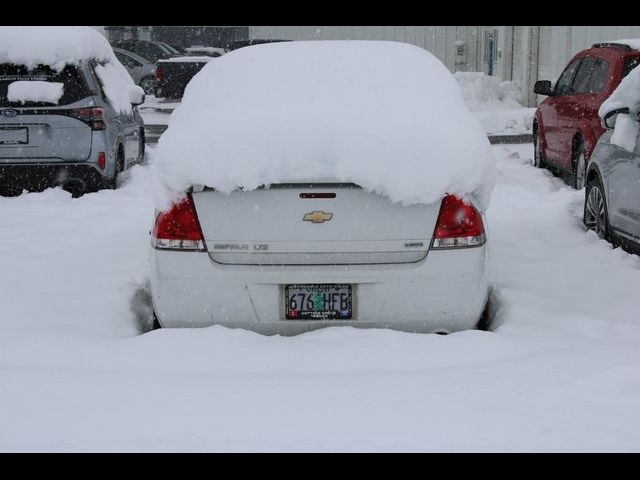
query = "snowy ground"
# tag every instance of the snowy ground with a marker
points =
(561, 371)
(156, 111)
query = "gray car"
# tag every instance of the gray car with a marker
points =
(612, 195)
(141, 70)
(78, 140)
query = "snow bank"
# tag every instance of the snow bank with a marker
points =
(387, 116)
(35, 91)
(61, 46)
(480, 90)
(496, 103)
(626, 95)
(54, 46)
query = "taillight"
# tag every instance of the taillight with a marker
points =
(102, 160)
(159, 73)
(178, 228)
(459, 225)
(94, 117)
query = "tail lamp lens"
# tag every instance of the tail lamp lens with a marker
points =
(178, 228)
(94, 117)
(459, 225)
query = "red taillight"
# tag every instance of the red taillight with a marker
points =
(459, 225)
(102, 160)
(159, 73)
(178, 228)
(94, 117)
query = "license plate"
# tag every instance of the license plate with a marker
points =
(14, 136)
(318, 302)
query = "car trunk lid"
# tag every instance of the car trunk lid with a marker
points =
(312, 224)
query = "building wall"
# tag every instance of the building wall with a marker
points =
(523, 53)
(460, 48)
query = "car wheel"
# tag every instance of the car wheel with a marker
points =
(143, 145)
(538, 161)
(112, 183)
(579, 167)
(148, 84)
(484, 322)
(596, 214)
(156, 322)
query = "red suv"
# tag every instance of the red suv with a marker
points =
(566, 125)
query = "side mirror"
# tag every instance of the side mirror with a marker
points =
(543, 87)
(136, 96)
(609, 120)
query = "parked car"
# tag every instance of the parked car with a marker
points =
(280, 218)
(206, 51)
(142, 71)
(612, 195)
(151, 50)
(173, 74)
(566, 125)
(254, 41)
(77, 127)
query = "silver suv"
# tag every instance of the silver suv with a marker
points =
(612, 196)
(80, 143)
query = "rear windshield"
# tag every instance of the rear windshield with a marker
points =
(74, 86)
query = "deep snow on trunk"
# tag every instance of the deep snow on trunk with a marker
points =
(559, 373)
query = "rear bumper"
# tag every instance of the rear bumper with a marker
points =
(447, 291)
(16, 177)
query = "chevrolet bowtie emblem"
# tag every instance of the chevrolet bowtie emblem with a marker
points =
(318, 217)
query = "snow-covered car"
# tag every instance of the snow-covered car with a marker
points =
(612, 195)
(142, 71)
(317, 186)
(68, 111)
(204, 50)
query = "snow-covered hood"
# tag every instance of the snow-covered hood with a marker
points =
(388, 116)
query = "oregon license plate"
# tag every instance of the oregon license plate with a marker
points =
(14, 136)
(318, 301)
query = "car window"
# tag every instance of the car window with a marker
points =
(122, 58)
(127, 60)
(599, 76)
(563, 86)
(171, 49)
(75, 87)
(630, 64)
(583, 76)
(148, 50)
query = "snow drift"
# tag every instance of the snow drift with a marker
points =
(387, 116)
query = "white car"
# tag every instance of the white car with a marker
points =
(304, 253)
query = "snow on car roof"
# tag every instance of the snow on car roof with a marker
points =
(61, 46)
(188, 58)
(387, 116)
(632, 42)
(53, 46)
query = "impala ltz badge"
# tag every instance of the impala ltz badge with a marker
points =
(8, 113)
(318, 217)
